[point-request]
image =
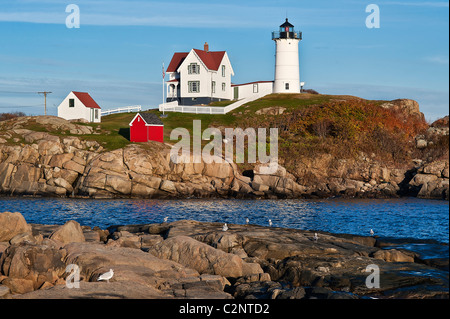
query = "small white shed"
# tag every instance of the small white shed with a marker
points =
(80, 105)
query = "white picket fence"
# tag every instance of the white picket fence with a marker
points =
(127, 109)
(174, 107)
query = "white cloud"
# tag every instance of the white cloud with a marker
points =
(177, 14)
(419, 4)
(438, 59)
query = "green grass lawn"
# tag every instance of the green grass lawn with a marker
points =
(114, 128)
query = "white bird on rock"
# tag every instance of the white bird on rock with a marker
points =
(225, 227)
(372, 232)
(247, 220)
(270, 223)
(316, 237)
(166, 219)
(106, 276)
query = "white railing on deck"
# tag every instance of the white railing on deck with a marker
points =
(128, 109)
(174, 107)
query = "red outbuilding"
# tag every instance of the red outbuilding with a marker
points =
(146, 127)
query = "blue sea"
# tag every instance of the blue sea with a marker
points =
(398, 218)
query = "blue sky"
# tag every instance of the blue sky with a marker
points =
(117, 53)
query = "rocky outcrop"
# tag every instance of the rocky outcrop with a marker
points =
(431, 181)
(406, 106)
(189, 259)
(50, 165)
(203, 258)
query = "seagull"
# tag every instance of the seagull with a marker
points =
(316, 237)
(166, 219)
(372, 232)
(270, 223)
(225, 227)
(247, 220)
(106, 276)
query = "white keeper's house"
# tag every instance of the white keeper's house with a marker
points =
(199, 77)
(80, 105)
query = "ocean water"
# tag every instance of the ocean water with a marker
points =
(398, 218)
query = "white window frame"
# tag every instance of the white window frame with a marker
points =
(223, 71)
(213, 86)
(193, 68)
(255, 88)
(194, 86)
(224, 87)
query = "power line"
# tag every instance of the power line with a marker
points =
(15, 92)
(18, 106)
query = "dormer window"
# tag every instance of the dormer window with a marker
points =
(194, 68)
(223, 70)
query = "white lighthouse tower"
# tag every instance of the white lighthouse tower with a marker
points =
(287, 69)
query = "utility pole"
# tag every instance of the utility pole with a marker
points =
(45, 100)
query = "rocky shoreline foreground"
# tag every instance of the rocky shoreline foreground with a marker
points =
(190, 260)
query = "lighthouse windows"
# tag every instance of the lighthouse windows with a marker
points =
(287, 86)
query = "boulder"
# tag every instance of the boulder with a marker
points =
(120, 184)
(407, 106)
(70, 232)
(199, 256)
(31, 262)
(129, 265)
(168, 186)
(60, 160)
(12, 224)
(393, 255)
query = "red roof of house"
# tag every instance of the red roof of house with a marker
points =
(211, 59)
(177, 59)
(87, 100)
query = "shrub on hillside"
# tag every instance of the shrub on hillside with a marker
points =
(9, 116)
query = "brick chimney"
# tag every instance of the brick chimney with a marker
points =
(206, 47)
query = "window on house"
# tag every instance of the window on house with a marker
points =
(71, 102)
(224, 86)
(223, 70)
(287, 86)
(96, 114)
(194, 86)
(255, 88)
(213, 87)
(194, 68)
